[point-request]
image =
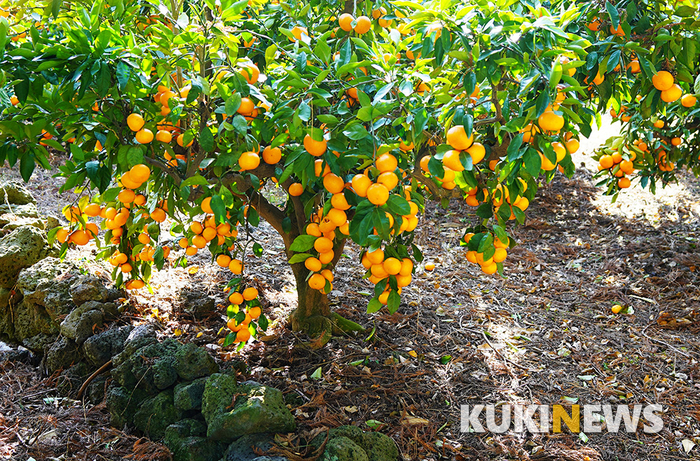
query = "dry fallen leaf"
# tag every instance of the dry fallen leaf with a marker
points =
(688, 445)
(193, 270)
(414, 421)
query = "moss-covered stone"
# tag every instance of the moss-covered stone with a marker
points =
(188, 396)
(150, 367)
(122, 404)
(186, 441)
(232, 410)
(247, 448)
(15, 193)
(100, 348)
(19, 249)
(377, 446)
(192, 361)
(343, 449)
(155, 414)
(88, 288)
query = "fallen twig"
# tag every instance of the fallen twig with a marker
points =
(91, 377)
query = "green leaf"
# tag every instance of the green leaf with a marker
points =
(345, 54)
(134, 155)
(685, 11)
(398, 205)
(55, 7)
(647, 67)
(514, 152)
(393, 302)
(206, 139)
(355, 132)
(614, 15)
(543, 101)
(317, 374)
(303, 243)
(533, 162)
(373, 423)
(230, 339)
(217, 205)
(26, 166)
(299, 258)
(196, 180)
(328, 119)
(374, 306)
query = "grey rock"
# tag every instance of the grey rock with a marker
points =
(197, 303)
(233, 410)
(155, 414)
(14, 192)
(188, 396)
(140, 336)
(19, 249)
(70, 381)
(88, 288)
(343, 449)
(13, 216)
(100, 348)
(247, 447)
(95, 391)
(39, 343)
(193, 362)
(27, 210)
(61, 355)
(114, 294)
(10, 222)
(80, 323)
(20, 354)
(186, 441)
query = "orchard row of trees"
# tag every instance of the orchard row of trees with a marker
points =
(177, 116)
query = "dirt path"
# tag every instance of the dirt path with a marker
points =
(544, 334)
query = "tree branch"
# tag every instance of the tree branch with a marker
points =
(272, 215)
(166, 169)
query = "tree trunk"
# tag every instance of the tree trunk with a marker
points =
(313, 313)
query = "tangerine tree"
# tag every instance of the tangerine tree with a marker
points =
(193, 118)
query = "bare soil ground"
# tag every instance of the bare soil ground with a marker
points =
(543, 334)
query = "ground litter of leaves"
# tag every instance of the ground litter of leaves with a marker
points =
(544, 335)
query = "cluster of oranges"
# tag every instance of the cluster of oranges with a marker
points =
(204, 232)
(167, 100)
(240, 324)
(362, 24)
(251, 160)
(115, 218)
(488, 266)
(459, 141)
(670, 90)
(619, 166)
(380, 268)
